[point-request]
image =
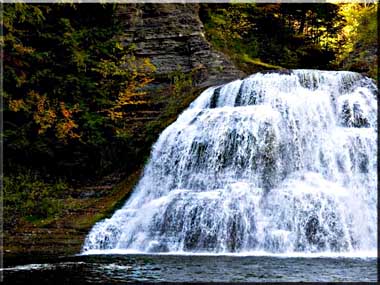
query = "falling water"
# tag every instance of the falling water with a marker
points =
(276, 163)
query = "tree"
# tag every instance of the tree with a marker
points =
(67, 81)
(359, 37)
(278, 34)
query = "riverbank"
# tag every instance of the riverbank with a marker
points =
(64, 235)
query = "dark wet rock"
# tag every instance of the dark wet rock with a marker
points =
(158, 247)
(239, 95)
(278, 71)
(359, 121)
(214, 98)
(353, 117)
(311, 229)
(192, 239)
(345, 116)
(235, 233)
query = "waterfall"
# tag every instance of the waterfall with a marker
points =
(276, 162)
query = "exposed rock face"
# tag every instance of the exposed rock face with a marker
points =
(171, 36)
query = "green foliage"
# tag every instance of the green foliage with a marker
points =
(361, 24)
(258, 62)
(360, 37)
(229, 28)
(67, 85)
(181, 82)
(308, 35)
(27, 196)
(227, 24)
(282, 35)
(175, 101)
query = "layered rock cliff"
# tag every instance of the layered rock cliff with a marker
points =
(172, 37)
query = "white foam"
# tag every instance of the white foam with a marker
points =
(353, 254)
(273, 164)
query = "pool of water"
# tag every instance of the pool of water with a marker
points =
(116, 268)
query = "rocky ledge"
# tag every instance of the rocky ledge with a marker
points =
(172, 37)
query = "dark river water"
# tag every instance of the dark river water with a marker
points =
(113, 268)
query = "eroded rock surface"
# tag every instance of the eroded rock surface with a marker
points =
(172, 37)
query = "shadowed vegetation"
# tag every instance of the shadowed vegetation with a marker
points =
(312, 35)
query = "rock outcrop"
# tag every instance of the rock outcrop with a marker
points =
(172, 37)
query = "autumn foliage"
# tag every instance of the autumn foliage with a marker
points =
(67, 83)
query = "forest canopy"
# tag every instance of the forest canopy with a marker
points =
(67, 79)
(309, 35)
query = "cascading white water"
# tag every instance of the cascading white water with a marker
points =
(279, 163)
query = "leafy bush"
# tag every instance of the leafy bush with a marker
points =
(27, 196)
